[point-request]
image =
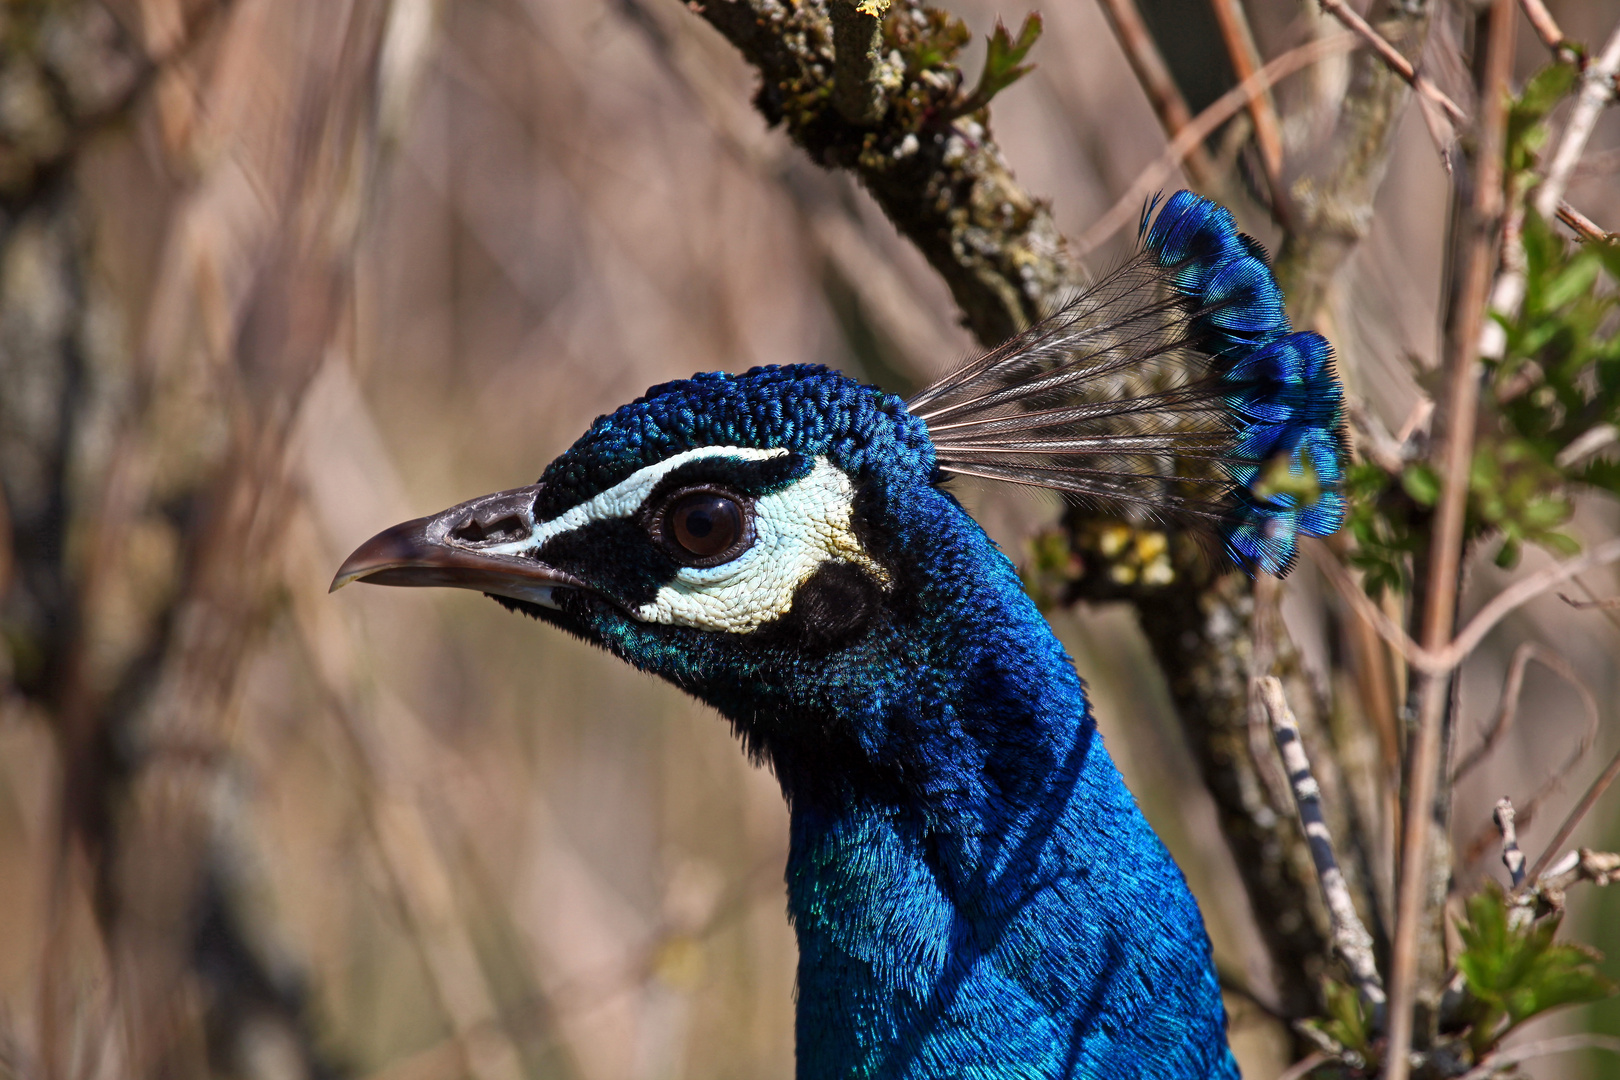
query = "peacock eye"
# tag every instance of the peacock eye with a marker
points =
(706, 527)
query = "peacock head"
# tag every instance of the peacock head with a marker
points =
(730, 533)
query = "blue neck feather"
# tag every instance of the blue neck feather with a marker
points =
(1004, 909)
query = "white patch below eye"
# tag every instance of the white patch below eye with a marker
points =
(795, 531)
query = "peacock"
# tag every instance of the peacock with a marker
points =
(974, 891)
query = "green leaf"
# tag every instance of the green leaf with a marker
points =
(1348, 1022)
(1576, 279)
(1516, 971)
(1003, 64)
(1422, 483)
(1545, 90)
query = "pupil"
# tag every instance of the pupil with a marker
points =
(706, 524)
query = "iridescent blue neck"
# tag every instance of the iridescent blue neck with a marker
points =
(997, 906)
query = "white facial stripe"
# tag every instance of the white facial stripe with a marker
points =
(623, 498)
(795, 531)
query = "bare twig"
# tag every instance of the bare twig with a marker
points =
(1512, 857)
(1459, 409)
(1154, 75)
(1605, 604)
(1391, 56)
(1584, 227)
(1599, 867)
(1546, 27)
(1503, 1060)
(1588, 800)
(1597, 90)
(1521, 592)
(1245, 56)
(1222, 109)
(1302, 1068)
(1442, 661)
(1507, 712)
(1350, 937)
(1586, 444)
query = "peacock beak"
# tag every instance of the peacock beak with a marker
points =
(483, 544)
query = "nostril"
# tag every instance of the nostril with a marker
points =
(503, 529)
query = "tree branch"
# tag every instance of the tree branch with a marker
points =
(1597, 90)
(1350, 937)
(1582, 808)
(1415, 918)
(1512, 857)
(1163, 94)
(1397, 63)
(1128, 206)
(1503, 1060)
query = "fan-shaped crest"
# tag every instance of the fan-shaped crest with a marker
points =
(1173, 388)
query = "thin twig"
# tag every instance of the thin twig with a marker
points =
(1302, 1068)
(1512, 857)
(1597, 90)
(1129, 205)
(1582, 808)
(1442, 661)
(1546, 27)
(1503, 1060)
(1584, 227)
(1599, 867)
(1459, 411)
(1391, 56)
(1245, 57)
(1520, 592)
(1163, 93)
(1508, 711)
(1606, 604)
(1350, 937)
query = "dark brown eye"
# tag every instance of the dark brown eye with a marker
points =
(706, 526)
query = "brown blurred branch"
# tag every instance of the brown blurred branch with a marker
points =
(1445, 659)
(1504, 1060)
(1163, 94)
(1508, 710)
(1583, 226)
(1418, 920)
(1128, 206)
(1245, 57)
(1333, 205)
(1582, 808)
(1546, 27)
(178, 499)
(1390, 55)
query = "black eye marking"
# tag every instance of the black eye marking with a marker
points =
(833, 607)
(703, 526)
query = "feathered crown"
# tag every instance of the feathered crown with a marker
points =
(1172, 388)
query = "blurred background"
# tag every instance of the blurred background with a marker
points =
(275, 274)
